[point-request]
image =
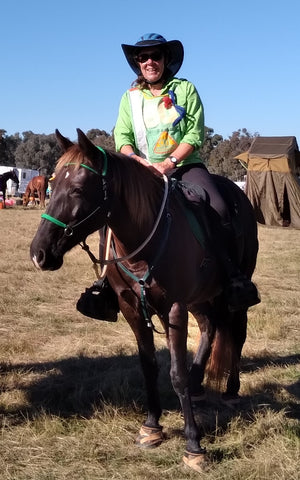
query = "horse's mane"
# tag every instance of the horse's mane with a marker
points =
(73, 155)
(136, 184)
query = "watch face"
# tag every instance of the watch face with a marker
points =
(173, 160)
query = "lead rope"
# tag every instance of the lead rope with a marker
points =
(95, 261)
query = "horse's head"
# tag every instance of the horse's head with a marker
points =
(78, 204)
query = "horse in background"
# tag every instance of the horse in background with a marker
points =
(37, 185)
(10, 175)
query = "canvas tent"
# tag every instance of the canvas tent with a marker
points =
(273, 169)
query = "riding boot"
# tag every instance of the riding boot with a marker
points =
(241, 293)
(99, 301)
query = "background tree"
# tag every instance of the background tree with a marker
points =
(41, 152)
(38, 152)
(8, 145)
(221, 159)
(211, 141)
(101, 138)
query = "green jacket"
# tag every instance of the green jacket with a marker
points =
(156, 121)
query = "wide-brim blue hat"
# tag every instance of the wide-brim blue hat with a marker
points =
(174, 49)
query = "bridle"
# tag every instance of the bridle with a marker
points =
(69, 230)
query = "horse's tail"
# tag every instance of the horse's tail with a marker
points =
(221, 358)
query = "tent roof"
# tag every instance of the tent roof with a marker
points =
(272, 153)
(270, 147)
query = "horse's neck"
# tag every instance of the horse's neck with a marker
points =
(135, 212)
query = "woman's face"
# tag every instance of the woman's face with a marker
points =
(151, 63)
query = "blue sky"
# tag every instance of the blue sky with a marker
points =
(62, 65)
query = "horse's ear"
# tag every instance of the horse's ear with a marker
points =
(63, 142)
(87, 147)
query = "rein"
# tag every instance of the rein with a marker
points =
(147, 240)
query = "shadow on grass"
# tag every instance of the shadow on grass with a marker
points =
(77, 386)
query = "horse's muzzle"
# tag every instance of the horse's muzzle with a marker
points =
(44, 261)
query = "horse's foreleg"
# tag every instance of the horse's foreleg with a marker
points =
(150, 371)
(150, 434)
(42, 200)
(177, 338)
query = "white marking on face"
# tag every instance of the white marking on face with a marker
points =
(67, 174)
(35, 262)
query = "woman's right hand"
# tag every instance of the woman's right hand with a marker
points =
(141, 160)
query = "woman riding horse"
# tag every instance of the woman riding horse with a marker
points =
(161, 124)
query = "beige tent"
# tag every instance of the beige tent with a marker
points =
(273, 169)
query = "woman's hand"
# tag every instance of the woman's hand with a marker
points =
(164, 167)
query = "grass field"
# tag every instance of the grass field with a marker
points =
(71, 389)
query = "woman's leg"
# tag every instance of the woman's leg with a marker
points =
(241, 292)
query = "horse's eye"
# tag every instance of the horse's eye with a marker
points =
(76, 191)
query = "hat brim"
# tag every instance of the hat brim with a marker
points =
(174, 47)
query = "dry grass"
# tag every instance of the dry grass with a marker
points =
(71, 391)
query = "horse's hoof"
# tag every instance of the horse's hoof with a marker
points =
(196, 461)
(149, 437)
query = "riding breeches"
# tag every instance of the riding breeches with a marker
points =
(200, 176)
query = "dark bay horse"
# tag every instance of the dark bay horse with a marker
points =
(165, 269)
(37, 185)
(10, 175)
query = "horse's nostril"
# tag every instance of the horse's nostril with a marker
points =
(39, 259)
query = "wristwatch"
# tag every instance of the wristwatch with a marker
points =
(173, 160)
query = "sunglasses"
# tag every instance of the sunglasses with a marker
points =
(144, 57)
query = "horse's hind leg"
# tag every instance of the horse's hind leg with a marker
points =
(239, 333)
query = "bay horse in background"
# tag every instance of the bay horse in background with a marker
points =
(157, 266)
(4, 177)
(37, 185)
